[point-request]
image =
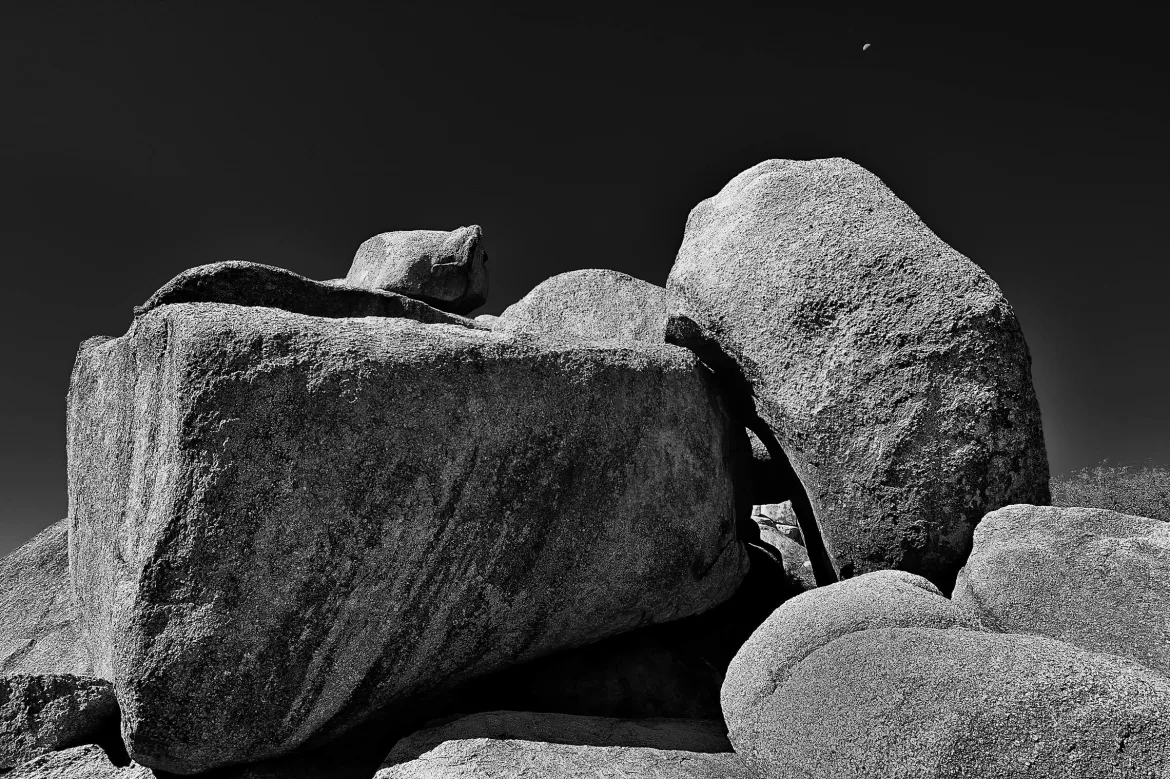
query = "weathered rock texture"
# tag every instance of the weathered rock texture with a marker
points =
(678, 734)
(39, 631)
(926, 703)
(484, 758)
(86, 762)
(1089, 577)
(890, 367)
(446, 269)
(282, 523)
(40, 714)
(251, 284)
(795, 630)
(592, 305)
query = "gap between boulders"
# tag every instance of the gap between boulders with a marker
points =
(737, 392)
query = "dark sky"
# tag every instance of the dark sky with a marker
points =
(139, 140)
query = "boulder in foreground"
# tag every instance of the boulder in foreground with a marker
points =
(445, 269)
(928, 703)
(1090, 577)
(284, 523)
(890, 367)
(39, 628)
(808, 622)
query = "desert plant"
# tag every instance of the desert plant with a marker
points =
(1144, 491)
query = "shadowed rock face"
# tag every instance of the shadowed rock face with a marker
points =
(284, 523)
(928, 703)
(242, 283)
(39, 629)
(591, 305)
(1090, 577)
(889, 367)
(41, 714)
(445, 269)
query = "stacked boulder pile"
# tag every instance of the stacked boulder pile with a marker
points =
(785, 517)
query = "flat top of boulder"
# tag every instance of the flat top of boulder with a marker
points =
(485, 758)
(39, 628)
(1091, 577)
(658, 733)
(591, 305)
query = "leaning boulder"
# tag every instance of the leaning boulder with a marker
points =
(41, 714)
(890, 367)
(284, 523)
(1090, 577)
(592, 305)
(252, 284)
(487, 758)
(657, 733)
(39, 629)
(810, 621)
(87, 762)
(929, 703)
(445, 269)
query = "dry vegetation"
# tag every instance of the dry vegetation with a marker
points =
(1144, 491)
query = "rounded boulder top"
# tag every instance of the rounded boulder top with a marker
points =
(445, 269)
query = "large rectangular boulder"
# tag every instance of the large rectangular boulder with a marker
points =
(281, 523)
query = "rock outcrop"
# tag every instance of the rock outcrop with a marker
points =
(445, 269)
(39, 631)
(591, 305)
(86, 762)
(283, 523)
(252, 284)
(42, 714)
(929, 703)
(485, 758)
(890, 368)
(811, 620)
(688, 735)
(1090, 577)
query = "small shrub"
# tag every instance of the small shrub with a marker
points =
(1143, 492)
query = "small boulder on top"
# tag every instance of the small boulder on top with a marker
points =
(445, 269)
